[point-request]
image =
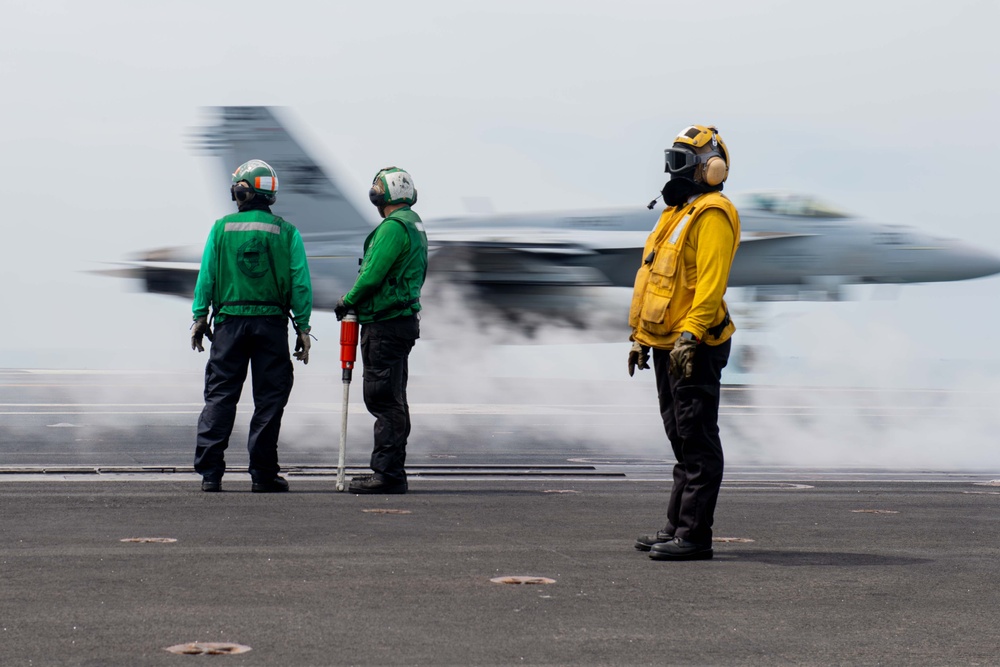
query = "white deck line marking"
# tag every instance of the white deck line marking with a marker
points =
(105, 412)
(521, 408)
(98, 405)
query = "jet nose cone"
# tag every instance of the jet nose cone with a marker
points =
(977, 263)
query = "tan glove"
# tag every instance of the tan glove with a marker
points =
(638, 357)
(302, 345)
(198, 331)
(682, 356)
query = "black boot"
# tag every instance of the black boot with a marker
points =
(276, 485)
(646, 542)
(680, 549)
(376, 484)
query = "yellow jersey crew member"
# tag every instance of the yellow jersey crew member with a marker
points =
(678, 311)
(254, 276)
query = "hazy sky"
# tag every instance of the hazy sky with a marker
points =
(886, 108)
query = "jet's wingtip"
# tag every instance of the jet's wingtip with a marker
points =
(116, 270)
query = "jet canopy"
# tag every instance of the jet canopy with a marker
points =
(786, 203)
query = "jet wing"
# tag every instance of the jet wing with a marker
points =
(174, 278)
(538, 239)
(750, 237)
(830, 288)
(159, 266)
(546, 257)
(487, 258)
(496, 264)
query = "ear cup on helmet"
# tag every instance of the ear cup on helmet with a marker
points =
(714, 171)
(376, 196)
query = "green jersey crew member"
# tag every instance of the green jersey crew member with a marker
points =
(254, 276)
(386, 298)
(678, 310)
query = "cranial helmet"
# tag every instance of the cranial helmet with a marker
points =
(392, 185)
(258, 177)
(700, 148)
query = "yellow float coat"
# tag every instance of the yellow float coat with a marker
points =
(685, 270)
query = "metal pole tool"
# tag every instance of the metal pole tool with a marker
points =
(348, 355)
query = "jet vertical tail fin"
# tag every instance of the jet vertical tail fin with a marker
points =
(307, 196)
(332, 228)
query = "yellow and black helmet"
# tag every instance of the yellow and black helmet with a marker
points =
(699, 145)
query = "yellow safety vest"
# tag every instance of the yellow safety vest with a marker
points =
(665, 286)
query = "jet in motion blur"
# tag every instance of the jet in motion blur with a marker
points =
(545, 266)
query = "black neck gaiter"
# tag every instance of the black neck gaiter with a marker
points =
(680, 188)
(255, 204)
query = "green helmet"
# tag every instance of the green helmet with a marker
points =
(261, 178)
(392, 185)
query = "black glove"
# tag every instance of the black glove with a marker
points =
(198, 330)
(682, 356)
(638, 357)
(302, 345)
(341, 309)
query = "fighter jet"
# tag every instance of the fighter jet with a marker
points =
(550, 265)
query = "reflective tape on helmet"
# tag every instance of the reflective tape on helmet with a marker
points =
(689, 132)
(269, 183)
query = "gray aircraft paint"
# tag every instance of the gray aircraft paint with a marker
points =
(792, 247)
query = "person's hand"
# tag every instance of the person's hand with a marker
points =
(638, 357)
(198, 331)
(682, 356)
(302, 345)
(341, 309)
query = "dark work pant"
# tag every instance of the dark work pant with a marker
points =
(690, 412)
(385, 350)
(261, 342)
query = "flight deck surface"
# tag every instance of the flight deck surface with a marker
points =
(813, 565)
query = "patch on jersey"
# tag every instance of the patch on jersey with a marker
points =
(252, 258)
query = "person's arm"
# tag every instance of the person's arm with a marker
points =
(206, 279)
(390, 241)
(302, 296)
(714, 243)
